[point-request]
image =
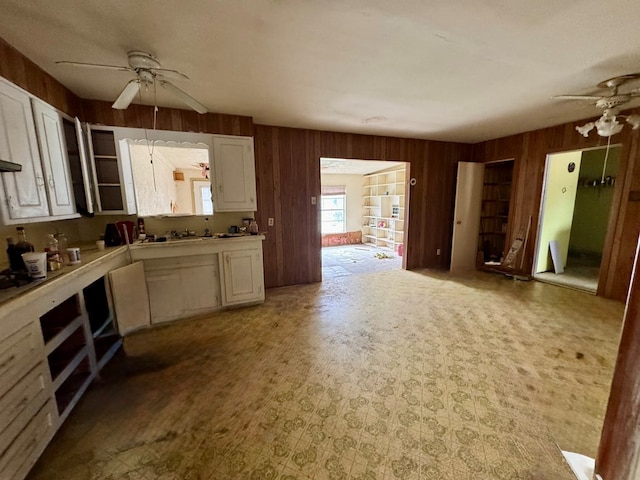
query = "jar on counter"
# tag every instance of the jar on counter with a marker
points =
(63, 246)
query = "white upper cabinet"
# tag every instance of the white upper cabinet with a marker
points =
(54, 162)
(234, 174)
(24, 192)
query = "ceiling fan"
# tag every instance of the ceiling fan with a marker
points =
(609, 102)
(148, 73)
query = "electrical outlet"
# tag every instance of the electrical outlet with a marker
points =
(270, 222)
(313, 200)
(438, 251)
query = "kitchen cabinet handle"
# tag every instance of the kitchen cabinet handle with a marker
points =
(39, 180)
(9, 205)
(11, 358)
(51, 183)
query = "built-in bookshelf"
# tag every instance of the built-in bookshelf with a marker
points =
(383, 205)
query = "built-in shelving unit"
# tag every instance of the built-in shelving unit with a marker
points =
(106, 170)
(106, 340)
(66, 347)
(383, 204)
(496, 197)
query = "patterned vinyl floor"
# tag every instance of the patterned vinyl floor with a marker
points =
(390, 375)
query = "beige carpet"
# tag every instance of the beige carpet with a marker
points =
(392, 375)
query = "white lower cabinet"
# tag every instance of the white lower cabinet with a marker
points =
(243, 276)
(182, 286)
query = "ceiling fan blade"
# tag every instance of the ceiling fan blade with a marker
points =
(165, 72)
(190, 101)
(96, 65)
(576, 97)
(127, 95)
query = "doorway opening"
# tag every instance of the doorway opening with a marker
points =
(170, 179)
(362, 215)
(574, 213)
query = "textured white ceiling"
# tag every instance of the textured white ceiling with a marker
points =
(462, 70)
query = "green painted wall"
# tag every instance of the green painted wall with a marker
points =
(559, 200)
(593, 204)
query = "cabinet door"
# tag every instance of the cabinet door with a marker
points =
(54, 159)
(200, 288)
(234, 174)
(130, 297)
(243, 276)
(165, 294)
(24, 192)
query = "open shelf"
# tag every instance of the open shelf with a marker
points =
(383, 197)
(496, 194)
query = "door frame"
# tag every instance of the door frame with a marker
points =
(615, 205)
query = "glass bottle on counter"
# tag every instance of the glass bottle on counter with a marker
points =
(54, 260)
(15, 259)
(23, 245)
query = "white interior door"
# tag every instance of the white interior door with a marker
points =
(466, 219)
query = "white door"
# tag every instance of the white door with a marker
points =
(243, 281)
(25, 193)
(466, 217)
(130, 297)
(54, 161)
(202, 198)
(234, 174)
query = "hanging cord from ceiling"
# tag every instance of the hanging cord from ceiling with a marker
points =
(606, 157)
(151, 145)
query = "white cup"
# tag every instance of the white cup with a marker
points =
(36, 263)
(100, 244)
(74, 255)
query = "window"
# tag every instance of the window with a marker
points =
(333, 203)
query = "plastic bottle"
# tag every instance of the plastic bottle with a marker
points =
(63, 245)
(54, 261)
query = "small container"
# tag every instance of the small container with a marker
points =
(54, 259)
(253, 227)
(36, 263)
(100, 244)
(74, 255)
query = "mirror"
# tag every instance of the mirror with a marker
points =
(171, 171)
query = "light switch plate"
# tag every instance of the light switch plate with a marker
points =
(270, 221)
(313, 200)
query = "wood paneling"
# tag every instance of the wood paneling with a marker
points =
(530, 151)
(618, 452)
(288, 176)
(18, 69)
(141, 116)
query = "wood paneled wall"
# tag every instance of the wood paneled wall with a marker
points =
(18, 69)
(618, 452)
(141, 116)
(530, 151)
(288, 176)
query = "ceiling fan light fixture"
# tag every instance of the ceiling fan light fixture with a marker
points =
(608, 126)
(585, 129)
(634, 121)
